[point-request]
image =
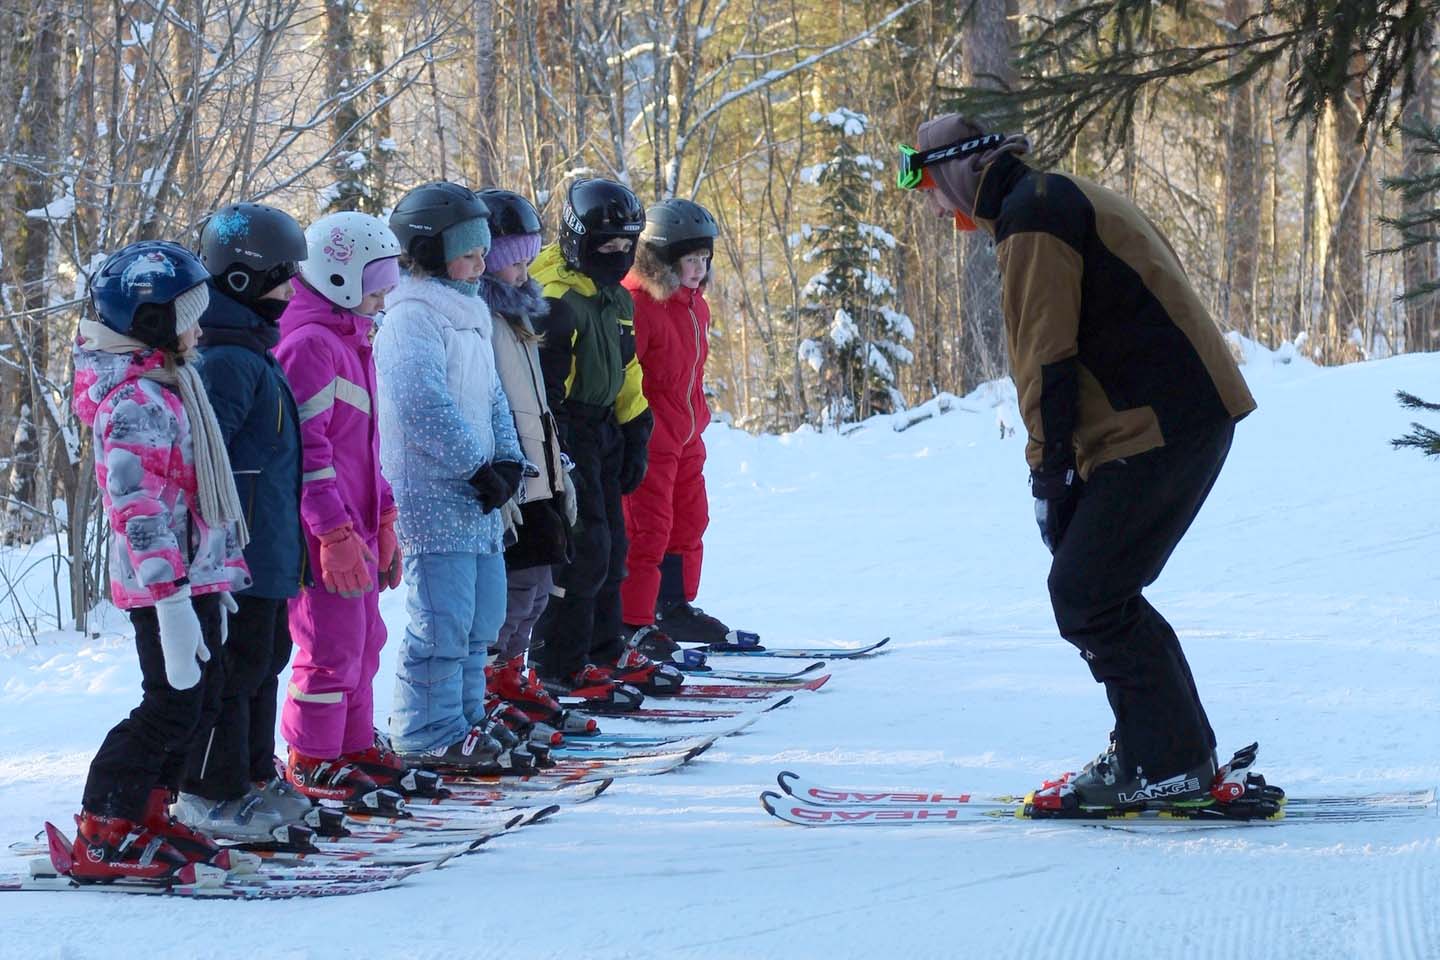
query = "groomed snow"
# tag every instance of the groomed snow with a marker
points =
(1306, 596)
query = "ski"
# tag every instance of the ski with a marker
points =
(624, 751)
(467, 790)
(740, 691)
(809, 804)
(752, 676)
(688, 715)
(287, 889)
(807, 653)
(1403, 803)
(747, 720)
(306, 875)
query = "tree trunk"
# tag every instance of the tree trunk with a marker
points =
(1242, 197)
(1422, 314)
(992, 36)
(1345, 260)
(35, 186)
(339, 78)
(487, 101)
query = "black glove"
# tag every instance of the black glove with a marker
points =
(1056, 493)
(637, 452)
(496, 482)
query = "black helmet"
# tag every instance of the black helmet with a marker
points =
(144, 291)
(676, 227)
(250, 249)
(510, 213)
(596, 211)
(426, 212)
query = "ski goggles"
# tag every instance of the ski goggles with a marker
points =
(913, 174)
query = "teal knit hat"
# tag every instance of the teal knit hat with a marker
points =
(460, 238)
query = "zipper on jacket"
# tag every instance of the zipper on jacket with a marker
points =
(690, 385)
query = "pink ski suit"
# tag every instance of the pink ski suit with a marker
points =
(325, 351)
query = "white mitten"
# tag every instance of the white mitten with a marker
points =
(181, 639)
(228, 608)
(571, 508)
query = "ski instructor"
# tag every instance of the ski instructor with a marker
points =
(1130, 397)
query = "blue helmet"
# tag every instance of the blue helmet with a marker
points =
(135, 290)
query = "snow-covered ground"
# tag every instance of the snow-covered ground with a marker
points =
(1306, 596)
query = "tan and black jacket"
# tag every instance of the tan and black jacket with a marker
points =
(1111, 350)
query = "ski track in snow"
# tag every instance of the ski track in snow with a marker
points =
(1306, 597)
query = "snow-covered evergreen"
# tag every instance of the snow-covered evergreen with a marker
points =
(857, 337)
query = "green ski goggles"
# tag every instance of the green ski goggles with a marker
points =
(912, 174)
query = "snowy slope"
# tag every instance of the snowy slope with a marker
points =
(1307, 598)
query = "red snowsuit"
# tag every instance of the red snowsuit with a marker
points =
(668, 513)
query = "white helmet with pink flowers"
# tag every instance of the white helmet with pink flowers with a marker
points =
(341, 246)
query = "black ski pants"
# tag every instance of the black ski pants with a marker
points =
(148, 748)
(582, 623)
(1129, 519)
(239, 747)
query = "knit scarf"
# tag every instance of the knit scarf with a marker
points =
(219, 500)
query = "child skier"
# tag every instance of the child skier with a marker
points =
(666, 516)
(593, 387)
(451, 449)
(177, 531)
(538, 525)
(230, 788)
(346, 508)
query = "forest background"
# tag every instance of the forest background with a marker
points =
(1289, 150)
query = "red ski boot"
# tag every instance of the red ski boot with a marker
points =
(520, 687)
(113, 848)
(341, 780)
(195, 846)
(383, 765)
(598, 688)
(651, 676)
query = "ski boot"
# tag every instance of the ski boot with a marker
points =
(598, 688)
(194, 845)
(521, 724)
(294, 805)
(634, 668)
(252, 819)
(113, 848)
(512, 729)
(476, 752)
(512, 682)
(383, 765)
(338, 780)
(1102, 784)
(685, 623)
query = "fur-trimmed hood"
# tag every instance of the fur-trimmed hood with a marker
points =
(658, 278)
(525, 302)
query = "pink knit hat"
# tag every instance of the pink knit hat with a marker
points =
(382, 274)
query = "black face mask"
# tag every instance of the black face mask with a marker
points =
(607, 269)
(270, 310)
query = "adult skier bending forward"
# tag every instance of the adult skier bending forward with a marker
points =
(1130, 397)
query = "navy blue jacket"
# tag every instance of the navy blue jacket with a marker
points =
(257, 416)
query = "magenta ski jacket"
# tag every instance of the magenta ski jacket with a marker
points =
(325, 352)
(145, 466)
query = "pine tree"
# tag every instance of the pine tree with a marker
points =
(858, 339)
(1420, 436)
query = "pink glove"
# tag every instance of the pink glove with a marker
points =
(390, 558)
(344, 562)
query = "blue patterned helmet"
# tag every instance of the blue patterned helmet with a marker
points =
(135, 290)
